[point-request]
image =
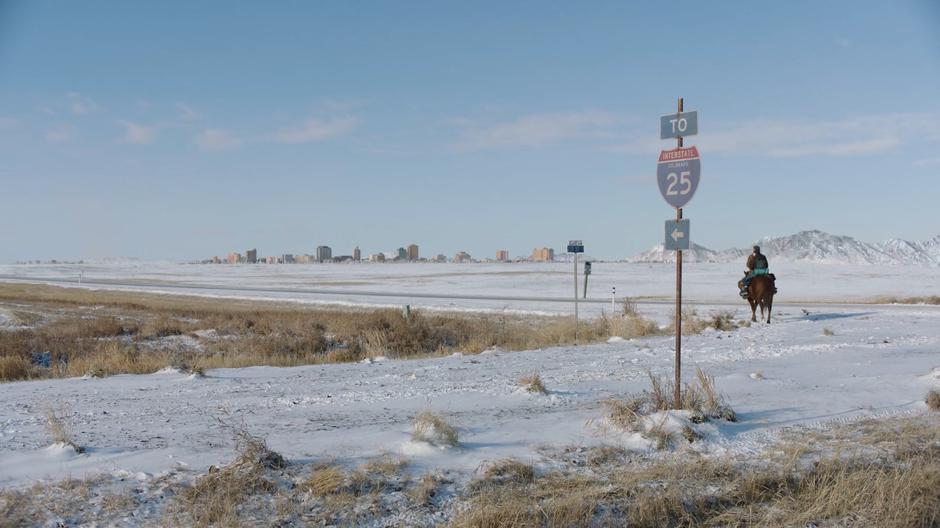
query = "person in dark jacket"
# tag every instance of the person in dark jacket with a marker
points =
(756, 265)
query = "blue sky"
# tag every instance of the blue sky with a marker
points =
(182, 130)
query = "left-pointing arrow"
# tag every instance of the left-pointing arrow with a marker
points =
(676, 235)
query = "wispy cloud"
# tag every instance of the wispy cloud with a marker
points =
(186, 113)
(316, 129)
(138, 134)
(855, 136)
(926, 162)
(536, 130)
(217, 139)
(60, 133)
(81, 105)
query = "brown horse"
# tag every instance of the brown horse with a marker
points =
(760, 292)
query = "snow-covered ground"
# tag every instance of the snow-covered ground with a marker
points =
(704, 283)
(880, 360)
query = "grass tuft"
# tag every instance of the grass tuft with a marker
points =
(325, 480)
(933, 400)
(58, 429)
(431, 428)
(533, 383)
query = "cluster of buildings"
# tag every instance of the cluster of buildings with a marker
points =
(324, 254)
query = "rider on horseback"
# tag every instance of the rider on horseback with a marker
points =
(756, 265)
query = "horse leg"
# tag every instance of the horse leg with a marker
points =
(753, 309)
(770, 303)
(761, 303)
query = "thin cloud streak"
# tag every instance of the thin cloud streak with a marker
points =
(136, 134)
(217, 139)
(60, 133)
(536, 130)
(857, 136)
(315, 129)
(81, 105)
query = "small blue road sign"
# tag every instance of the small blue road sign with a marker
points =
(677, 235)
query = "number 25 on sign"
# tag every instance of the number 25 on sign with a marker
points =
(678, 173)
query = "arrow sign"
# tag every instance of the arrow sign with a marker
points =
(677, 235)
(678, 173)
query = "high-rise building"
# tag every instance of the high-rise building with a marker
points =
(234, 258)
(413, 252)
(402, 254)
(543, 255)
(324, 253)
(502, 255)
(251, 256)
(462, 256)
(357, 255)
(440, 257)
(377, 257)
(287, 258)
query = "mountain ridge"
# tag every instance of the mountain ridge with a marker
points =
(814, 246)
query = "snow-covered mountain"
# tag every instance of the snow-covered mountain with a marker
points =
(815, 246)
(696, 254)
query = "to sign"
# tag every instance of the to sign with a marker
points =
(678, 125)
(678, 174)
(677, 235)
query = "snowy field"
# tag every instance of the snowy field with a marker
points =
(877, 362)
(824, 361)
(704, 284)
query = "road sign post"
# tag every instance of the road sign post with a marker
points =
(678, 174)
(575, 247)
(587, 271)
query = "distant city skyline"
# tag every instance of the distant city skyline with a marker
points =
(158, 130)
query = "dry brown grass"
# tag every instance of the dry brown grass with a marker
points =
(555, 500)
(509, 470)
(933, 400)
(118, 503)
(57, 427)
(633, 414)
(431, 428)
(15, 368)
(929, 299)
(533, 383)
(325, 480)
(128, 332)
(424, 490)
(630, 326)
(215, 498)
(693, 323)
(890, 491)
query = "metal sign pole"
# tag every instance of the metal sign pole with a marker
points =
(576, 326)
(678, 389)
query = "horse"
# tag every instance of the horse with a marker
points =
(760, 292)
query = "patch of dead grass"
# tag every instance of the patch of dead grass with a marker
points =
(933, 400)
(431, 428)
(533, 383)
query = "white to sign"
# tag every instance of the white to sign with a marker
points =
(678, 173)
(678, 125)
(677, 235)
